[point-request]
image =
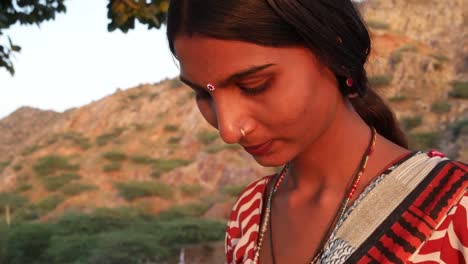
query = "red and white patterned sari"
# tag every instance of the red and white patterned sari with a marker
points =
(415, 212)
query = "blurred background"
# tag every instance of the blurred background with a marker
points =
(104, 157)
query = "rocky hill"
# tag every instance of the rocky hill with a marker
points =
(420, 64)
(151, 134)
(441, 25)
(148, 146)
(20, 128)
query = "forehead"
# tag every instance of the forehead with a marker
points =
(204, 59)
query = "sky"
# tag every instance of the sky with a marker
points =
(73, 60)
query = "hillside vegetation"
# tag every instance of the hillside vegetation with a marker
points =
(139, 175)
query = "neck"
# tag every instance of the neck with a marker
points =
(326, 166)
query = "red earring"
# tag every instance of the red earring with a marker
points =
(349, 82)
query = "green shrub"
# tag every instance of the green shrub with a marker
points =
(105, 138)
(380, 80)
(27, 213)
(49, 203)
(398, 98)
(17, 167)
(75, 248)
(126, 246)
(13, 200)
(186, 210)
(214, 149)
(135, 96)
(163, 166)
(192, 94)
(77, 188)
(459, 90)
(52, 139)
(174, 140)
(49, 165)
(409, 123)
(377, 24)
(175, 83)
(27, 243)
(217, 148)
(441, 107)
(142, 159)
(4, 229)
(114, 156)
(188, 231)
(69, 135)
(4, 164)
(139, 127)
(100, 220)
(424, 141)
(182, 100)
(440, 57)
(23, 177)
(459, 127)
(23, 186)
(408, 48)
(153, 95)
(122, 235)
(83, 143)
(171, 128)
(53, 183)
(113, 166)
(207, 137)
(233, 190)
(191, 189)
(77, 139)
(29, 150)
(156, 174)
(397, 55)
(133, 190)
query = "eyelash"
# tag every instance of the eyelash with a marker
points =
(255, 90)
(202, 94)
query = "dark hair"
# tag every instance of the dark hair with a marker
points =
(332, 29)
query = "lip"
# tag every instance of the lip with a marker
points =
(259, 149)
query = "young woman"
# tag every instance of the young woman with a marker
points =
(285, 79)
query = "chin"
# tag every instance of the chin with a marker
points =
(270, 160)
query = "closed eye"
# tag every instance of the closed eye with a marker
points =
(255, 89)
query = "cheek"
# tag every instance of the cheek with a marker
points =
(303, 107)
(298, 113)
(207, 110)
(291, 103)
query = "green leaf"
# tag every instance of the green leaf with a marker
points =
(16, 48)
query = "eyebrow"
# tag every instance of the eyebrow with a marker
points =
(237, 75)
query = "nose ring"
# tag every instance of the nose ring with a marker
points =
(242, 132)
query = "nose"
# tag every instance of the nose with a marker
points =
(231, 118)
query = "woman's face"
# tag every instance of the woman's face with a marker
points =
(282, 98)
